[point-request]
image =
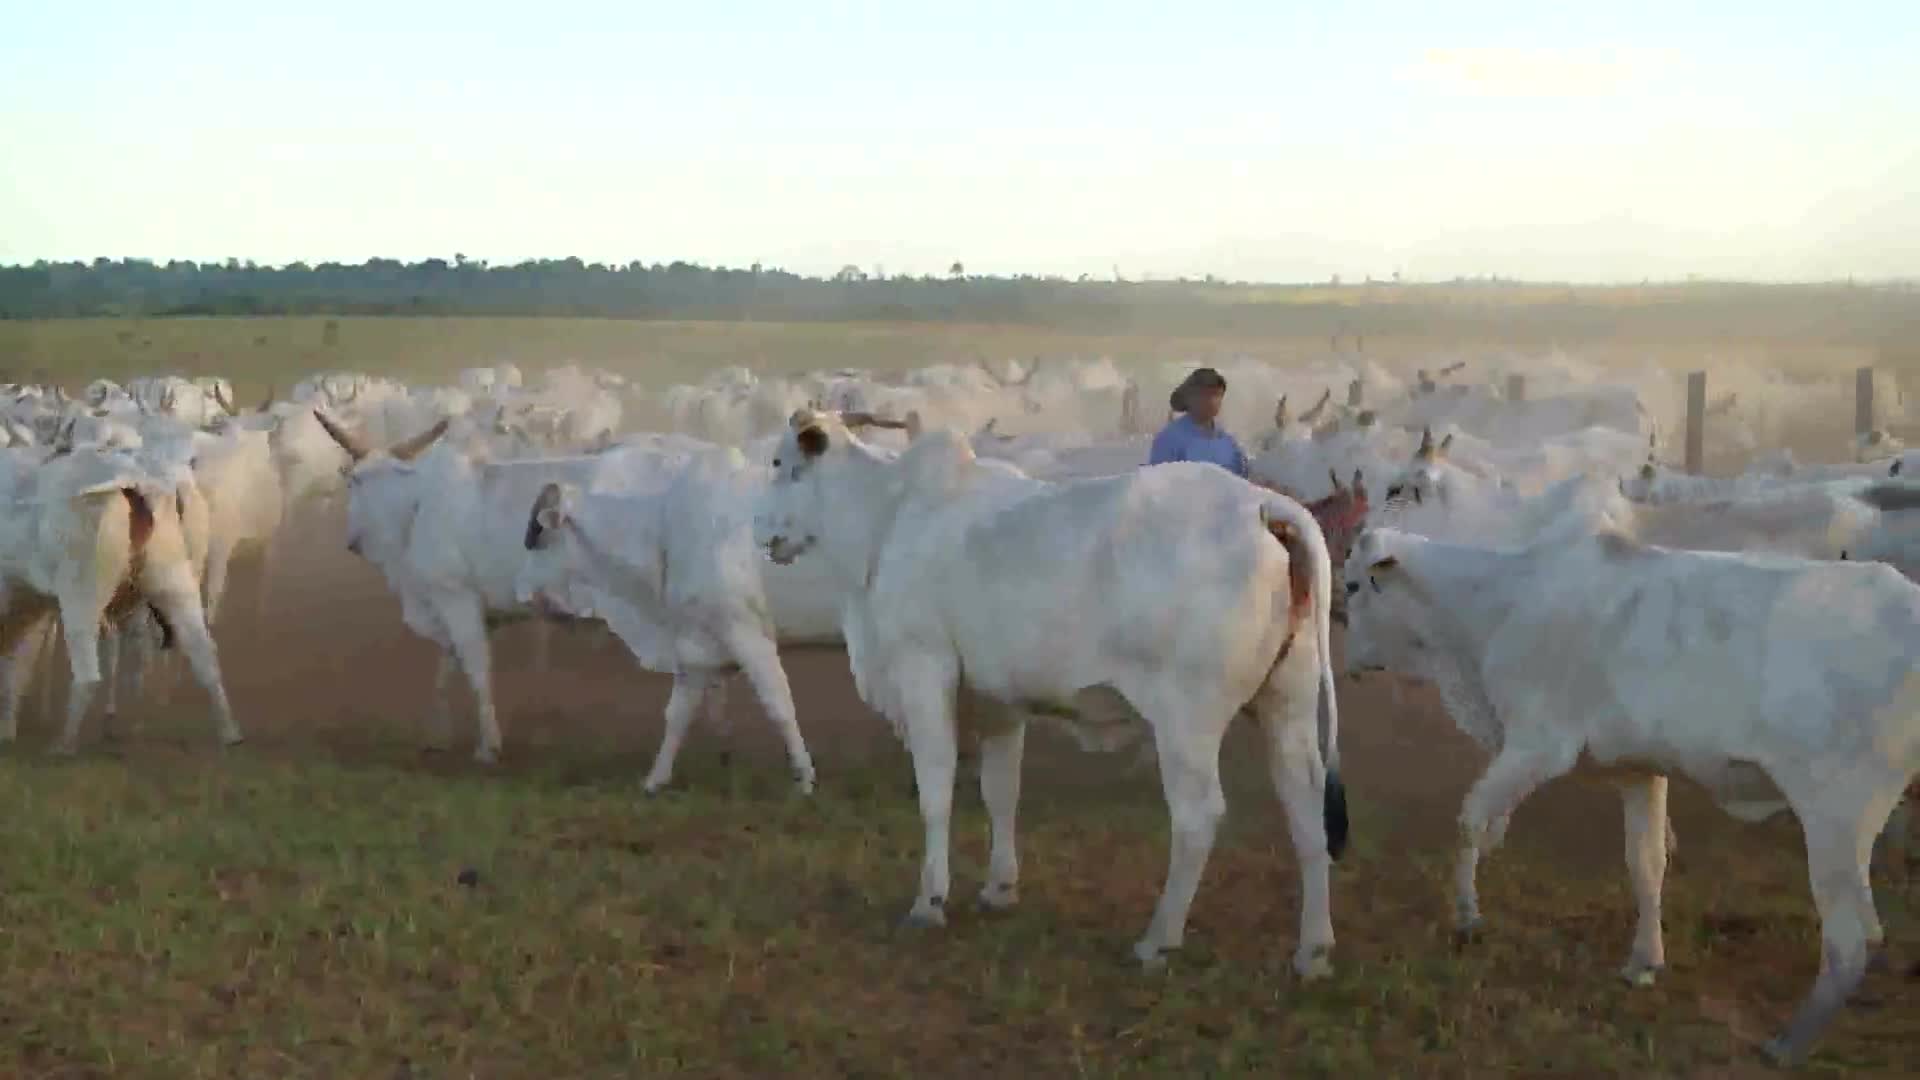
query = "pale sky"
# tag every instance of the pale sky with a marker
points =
(1262, 140)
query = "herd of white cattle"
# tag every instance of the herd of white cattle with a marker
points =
(987, 547)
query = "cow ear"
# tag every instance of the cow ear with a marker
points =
(1446, 444)
(812, 441)
(1383, 565)
(1359, 484)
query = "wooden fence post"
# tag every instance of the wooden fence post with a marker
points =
(1516, 388)
(1696, 421)
(1863, 401)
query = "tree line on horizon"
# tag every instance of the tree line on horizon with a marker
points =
(683, 290)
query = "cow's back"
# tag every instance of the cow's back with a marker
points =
(1045, 590)
(1686, 654)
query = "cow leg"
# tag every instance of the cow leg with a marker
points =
(760, 660)
(1836, 849)
(80, 622)
(1489, 805)
(49, 641)
(1001, 752)
(173, 594)
(928, 692)
(264, 579)
(689, 689)
(109, 646)
(141, 635)
(440, 720)
(219, 555)
(467, 631)
(1187, 730)
(1645, 807)
(17, 666)
(1290, 719)
(713, 710)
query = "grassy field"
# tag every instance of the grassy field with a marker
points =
(257, 351)
(326, 901)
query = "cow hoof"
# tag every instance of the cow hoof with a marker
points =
(1640, 975)
(1315, 965)
(999, 898)
(930, 916)
(1469, 931)
(1152, 957)
(63, 750)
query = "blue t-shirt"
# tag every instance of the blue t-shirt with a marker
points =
(1185, 440)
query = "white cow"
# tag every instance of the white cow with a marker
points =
(967, 596)
(446, 531)
(93, 536)
(674, 572)
(1777, 683)
(246, 505)
(1302, 466)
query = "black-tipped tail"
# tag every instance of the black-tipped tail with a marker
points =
(1336, 815)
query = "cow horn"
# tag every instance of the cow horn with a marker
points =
(409, 449)
(348, 441)
(1280, 412)
(1426, 443)
(1335, 477)
(220, 397)
(1314, 413)
(866, 419)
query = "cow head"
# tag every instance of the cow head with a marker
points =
(791, 518)
(546, 578)
(1638, 486)
(380, 504)
(1384, 618)
(1341, 515)
(1424, 478)
(794, 515)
